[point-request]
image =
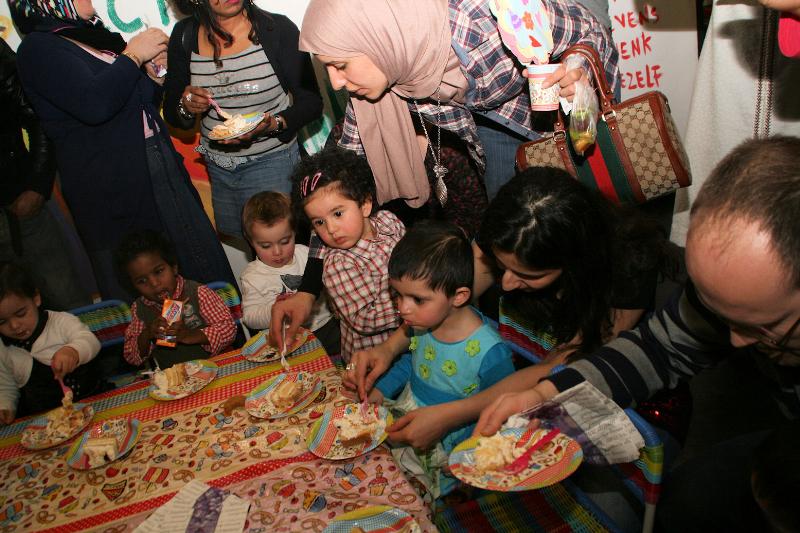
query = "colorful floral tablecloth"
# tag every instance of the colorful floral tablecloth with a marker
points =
(265, 462)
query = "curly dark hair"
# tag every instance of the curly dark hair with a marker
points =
(142, 242)
(201, 11)
(346, 170)
(548, 220)
(438, 253)
(14, 279)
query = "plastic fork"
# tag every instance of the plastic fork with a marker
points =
(284, 348)
(364, 411)
(522, 462)
(66, 391)
(220, 112)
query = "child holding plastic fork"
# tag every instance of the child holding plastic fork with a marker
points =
(40, 350)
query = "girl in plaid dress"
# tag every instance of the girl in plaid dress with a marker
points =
(335, 190)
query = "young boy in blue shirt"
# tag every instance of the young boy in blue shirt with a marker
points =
(454, 351)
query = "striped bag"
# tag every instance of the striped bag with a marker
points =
(638, 155)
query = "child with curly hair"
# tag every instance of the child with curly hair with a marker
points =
(335, 190)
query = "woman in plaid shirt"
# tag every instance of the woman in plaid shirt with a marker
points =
(443, 60)
(336, 191)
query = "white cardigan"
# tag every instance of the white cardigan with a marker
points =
(62, 329)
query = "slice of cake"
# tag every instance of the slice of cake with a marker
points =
(176, 375)
(355, 428)
(495, 452)
(100, 450)
(286, 394)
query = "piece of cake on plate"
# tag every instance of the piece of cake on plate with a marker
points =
(100, 450)
(496, 452)
(171, 378)
(355, 428)
(286, 394)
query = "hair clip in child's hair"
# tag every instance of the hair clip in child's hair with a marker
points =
(304, 184)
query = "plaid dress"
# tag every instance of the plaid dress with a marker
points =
(357, 281)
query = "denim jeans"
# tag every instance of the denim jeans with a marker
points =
(230, 189)
(500, 146)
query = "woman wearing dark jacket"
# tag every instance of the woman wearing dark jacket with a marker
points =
(98, 100)
(247, 60)
(28, 231)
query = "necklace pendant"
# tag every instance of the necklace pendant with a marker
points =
(441, 189)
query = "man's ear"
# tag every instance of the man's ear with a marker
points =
(462, 296)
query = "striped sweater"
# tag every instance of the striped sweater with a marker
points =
(678, 341)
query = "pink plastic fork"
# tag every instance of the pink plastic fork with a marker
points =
(64, 388)
(219, 110)
(67, 400)
(521, 462)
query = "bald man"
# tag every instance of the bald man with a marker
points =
(743, 261)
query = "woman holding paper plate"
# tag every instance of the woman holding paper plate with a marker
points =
(442, 61)
(245, 61)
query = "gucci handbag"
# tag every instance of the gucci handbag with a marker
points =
(637, 155)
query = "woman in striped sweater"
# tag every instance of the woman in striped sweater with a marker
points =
(247, 60)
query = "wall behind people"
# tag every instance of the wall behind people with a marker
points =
(657, 43)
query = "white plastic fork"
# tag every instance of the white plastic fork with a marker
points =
(284, 327)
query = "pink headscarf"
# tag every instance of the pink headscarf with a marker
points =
(409, 41)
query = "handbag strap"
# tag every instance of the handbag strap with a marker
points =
(596, 65)
(603, 90)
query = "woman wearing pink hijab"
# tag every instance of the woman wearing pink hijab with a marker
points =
(442, 60)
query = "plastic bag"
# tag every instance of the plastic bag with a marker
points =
(585, 109)
(583, 119)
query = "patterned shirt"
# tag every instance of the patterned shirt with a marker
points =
(502, 94)
(357, 281)
(220, 328)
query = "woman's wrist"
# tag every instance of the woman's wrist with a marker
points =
(133, 57)
(183, 112)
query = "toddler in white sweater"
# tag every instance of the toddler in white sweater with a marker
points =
(277, 271)
(39, 347)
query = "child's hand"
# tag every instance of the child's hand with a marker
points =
(6, 416)
(421, 428)
(375, 396)
(155, 328)
(65, 360)
(185, 335)
(365, 367)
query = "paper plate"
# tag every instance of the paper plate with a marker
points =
(251, 122)
(547, 466)
(373, 519)
(258, 403)
(200, 372)
(36, 436)
(125, 430)
(323, 439)
(258, 350)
